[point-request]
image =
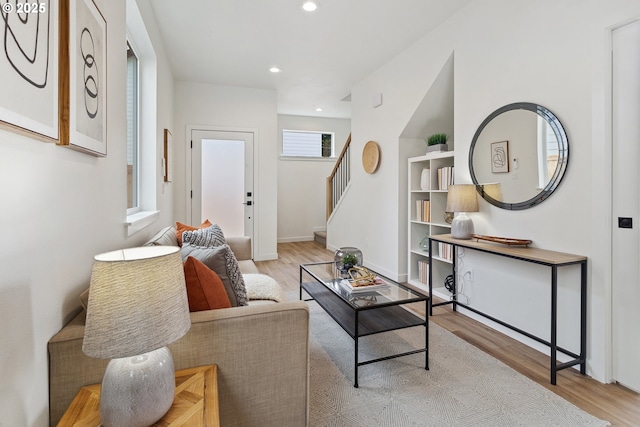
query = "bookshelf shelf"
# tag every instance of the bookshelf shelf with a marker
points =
(427, 219)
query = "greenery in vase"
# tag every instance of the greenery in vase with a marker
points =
(349, 260)
(438, 138)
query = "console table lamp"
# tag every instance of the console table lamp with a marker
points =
(137, 306)
(461, 199)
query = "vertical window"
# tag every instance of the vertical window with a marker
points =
(132, 131)
(301, 143)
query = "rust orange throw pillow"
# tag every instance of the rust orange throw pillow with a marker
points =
(205, 290)
(181, 228)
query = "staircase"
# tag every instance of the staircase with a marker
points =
(337, 183)
(320, 237)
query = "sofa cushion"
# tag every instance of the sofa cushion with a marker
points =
(224, 263)
(181, 228)
(208, 237)
(263, 287)
(247, 266)
(205, 290)
(165, 237)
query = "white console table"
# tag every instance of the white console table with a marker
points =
(552, 259)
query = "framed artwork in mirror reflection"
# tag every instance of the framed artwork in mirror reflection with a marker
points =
(500, 157)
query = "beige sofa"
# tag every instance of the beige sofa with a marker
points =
(261, 351)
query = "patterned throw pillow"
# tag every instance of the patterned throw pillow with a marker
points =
(209, 237)
(221, 260)
(181, 228)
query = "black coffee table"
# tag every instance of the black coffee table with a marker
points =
(364, 313)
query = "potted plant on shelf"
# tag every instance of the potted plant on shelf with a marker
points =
(437, 142)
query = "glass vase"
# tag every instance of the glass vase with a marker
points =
(424, 244)
(347, 257)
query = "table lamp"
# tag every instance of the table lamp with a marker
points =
(137, 306)
(461, 199)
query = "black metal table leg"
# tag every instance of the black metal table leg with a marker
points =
(430, 278)
(426, 336)
(454, 296)
(583, 317)
(355, 365)
(554, 322)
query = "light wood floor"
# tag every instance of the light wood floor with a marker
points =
(609, 402)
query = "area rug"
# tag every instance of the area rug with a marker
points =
(464, 386)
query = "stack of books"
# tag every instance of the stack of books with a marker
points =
(423, 210)
(423, 271)
(353, 288)
(445, 177)
(445, 250)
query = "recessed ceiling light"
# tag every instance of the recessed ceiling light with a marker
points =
(309, 6)
(318, 109)
(275, 69)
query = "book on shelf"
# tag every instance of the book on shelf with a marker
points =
(445, 251)
(423, 210)
(445, 177)
(423, 271)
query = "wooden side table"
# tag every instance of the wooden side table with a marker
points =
(195, 403)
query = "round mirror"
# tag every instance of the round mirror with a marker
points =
(518, 156)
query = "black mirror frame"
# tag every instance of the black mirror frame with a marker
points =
(563, 155)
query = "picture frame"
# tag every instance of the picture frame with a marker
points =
(29, 68)
(83, 77)
(500, 157)
(167, 161)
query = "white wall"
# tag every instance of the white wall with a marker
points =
(547, 52)
(60, 208)
(232, 108)
(302, 183)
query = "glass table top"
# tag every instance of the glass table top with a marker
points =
(390, 292)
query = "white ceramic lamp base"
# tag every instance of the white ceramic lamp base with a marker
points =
(137, 391)
(462, 227)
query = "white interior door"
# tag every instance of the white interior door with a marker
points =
(626, 205)
(222, 180)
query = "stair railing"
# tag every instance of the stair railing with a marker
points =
(339, 179)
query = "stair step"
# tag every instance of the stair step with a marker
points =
(320, 237)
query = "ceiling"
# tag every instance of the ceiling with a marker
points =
(322, 54)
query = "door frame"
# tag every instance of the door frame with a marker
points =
(188, 169)
(607, 198)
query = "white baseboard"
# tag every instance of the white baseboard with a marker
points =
(295, 239)
(266, 257)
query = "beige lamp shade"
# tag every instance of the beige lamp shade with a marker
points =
(137, 302)
(462, 198)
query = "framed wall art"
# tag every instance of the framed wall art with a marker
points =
(500, 157)
(83, 55)
(29, 68)
(167, 164)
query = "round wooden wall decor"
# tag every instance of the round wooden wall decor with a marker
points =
(371, 157)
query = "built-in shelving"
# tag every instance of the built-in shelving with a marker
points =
(428, 222)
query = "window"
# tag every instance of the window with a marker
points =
(133, 204)
(141, 105)
(301, 143)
